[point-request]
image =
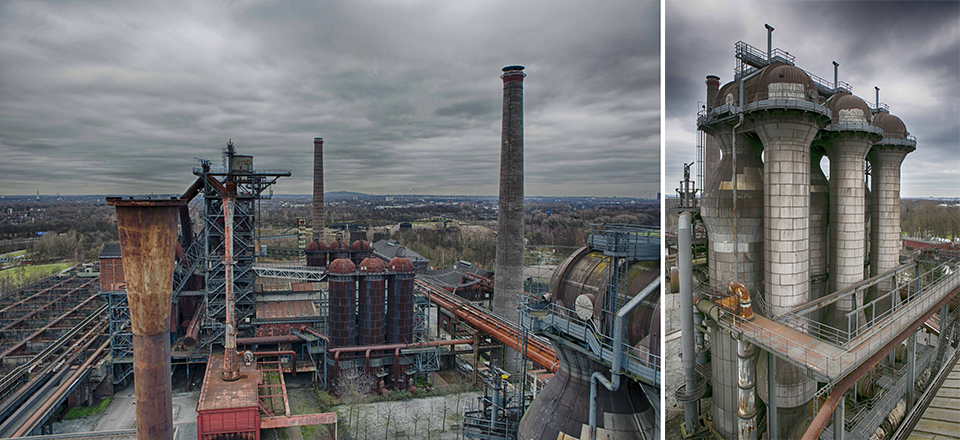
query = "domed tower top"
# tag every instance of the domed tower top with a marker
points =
(849, 109)
(372, 265)
(360, 245)
(891, 125)
(783, 81)
(401, 264)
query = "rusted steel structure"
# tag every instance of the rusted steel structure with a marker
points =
(400, 281)
(231, 371)
(148, 236)
(343, 306)
(372, 294)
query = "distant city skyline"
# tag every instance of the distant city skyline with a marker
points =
(915, 61)
(111, 97)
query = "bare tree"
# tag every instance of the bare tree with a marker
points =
(352, 385)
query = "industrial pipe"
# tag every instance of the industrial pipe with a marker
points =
(835, 66)
(769, 41)
(746, 390)
(193, 329)
(547, 361)
(231, 368)
(688, 354)
(148, 236)
(613, 384)
(257, 340)
(733, 165)
(823, 416)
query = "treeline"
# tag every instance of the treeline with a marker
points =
(444, 247)
(928, 218)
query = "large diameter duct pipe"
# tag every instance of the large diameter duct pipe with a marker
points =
(508, 278)
(688, 355)
(613, 384)
(318, 189)
(231, 366)
(148, 235)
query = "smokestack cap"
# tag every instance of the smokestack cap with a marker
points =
(713, 78)
(320, 140)
(513, 73)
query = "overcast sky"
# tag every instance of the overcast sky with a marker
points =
(118, 97)
(911, 50)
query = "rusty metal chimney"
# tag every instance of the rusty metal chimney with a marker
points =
(508, 276)
(231, 367)
(148, 236)
(318, 189)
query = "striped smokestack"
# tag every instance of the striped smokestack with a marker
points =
(508, 279)
(318, 189)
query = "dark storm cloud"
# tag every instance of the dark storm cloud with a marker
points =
(911, 50)
(108, 97)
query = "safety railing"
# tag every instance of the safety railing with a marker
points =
(636, 362)
(832, 360)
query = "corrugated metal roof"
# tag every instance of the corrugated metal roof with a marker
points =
(285, 309)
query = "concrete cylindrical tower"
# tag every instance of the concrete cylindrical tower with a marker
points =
(847, 140)
(786, 123)
(318, 189)
(148, 233)
(400, 300)
(885, 158)
(343, 306)
(372, 302)
(508, 278)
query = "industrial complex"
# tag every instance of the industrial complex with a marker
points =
(193, 285)
(802, 316)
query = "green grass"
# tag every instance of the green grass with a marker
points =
(14, 253)
(29, 271)
(78, 412)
